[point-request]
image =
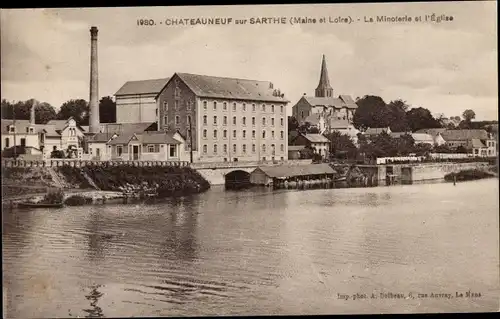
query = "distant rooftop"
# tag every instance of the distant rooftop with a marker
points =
(142, 87)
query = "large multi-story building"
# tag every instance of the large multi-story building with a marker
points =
(135, 101)
(230, 119)
(323, 102)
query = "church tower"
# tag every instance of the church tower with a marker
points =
(324, 89)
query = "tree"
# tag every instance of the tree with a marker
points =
(304, 128)
(107, 110)
(341, 144)
(419, 118)
(293, 124)
(44, 112)
(422, 149)
(442, 149)
(397, 115)
(370, 112)
(78, 109)
(469, 115)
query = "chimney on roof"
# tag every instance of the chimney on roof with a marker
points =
(271, 85)
(32, 113)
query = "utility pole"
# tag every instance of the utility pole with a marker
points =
(14, 124)
(190, 140)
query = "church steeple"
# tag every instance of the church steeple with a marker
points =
(324, 89)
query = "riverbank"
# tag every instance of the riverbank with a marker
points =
(20, 184)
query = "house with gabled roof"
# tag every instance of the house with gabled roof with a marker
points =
(477, 142)
(135, 101)
(98, 146)
(147, 146)
(318, 142)
(56, 135)
(227, 119)
(324, 102)
(62, 135)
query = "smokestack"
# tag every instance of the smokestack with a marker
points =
(32, 113)
(94, 83)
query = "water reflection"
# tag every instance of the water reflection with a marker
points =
(95, 311)
(97, 241)
(180, 233)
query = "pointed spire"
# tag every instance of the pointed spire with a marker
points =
(324, 89)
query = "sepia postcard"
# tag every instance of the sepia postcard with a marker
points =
(250, 160)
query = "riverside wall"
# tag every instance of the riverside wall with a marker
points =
(434, 171)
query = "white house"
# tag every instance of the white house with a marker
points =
(20, 133)
(148, 146)
(61, 135)
(343, 127)
(98, 147)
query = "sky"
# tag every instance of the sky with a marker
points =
(446, 67)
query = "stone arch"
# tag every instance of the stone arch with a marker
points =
(237, 179)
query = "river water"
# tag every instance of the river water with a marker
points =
(258, 252)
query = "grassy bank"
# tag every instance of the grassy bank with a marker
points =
(165, 181)
(467, 175)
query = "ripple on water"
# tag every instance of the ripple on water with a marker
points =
(255, 253)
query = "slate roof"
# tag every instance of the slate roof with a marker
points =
(431, 131)
(123, 138)
(296, 147)
(337, 102)
(422, 137)
(338, 124)
(58, 124)
(397, 134)
(21, 125)
(297, 170)
(146, 138)
(142, 87)
(230, 88)
(476, 143)
(313, 119)
(461, 135)
(375, 130)
(101, 138)
(158, 138)
(316, 138)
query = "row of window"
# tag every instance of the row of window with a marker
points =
(243, 148)
(244, 134)
(243, 120)
(12, 129)
(189, 105)
(224, 120)
(263, 107)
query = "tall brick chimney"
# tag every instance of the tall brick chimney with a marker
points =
(94, 83)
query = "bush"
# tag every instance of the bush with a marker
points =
(77, 200)
(53, 197)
